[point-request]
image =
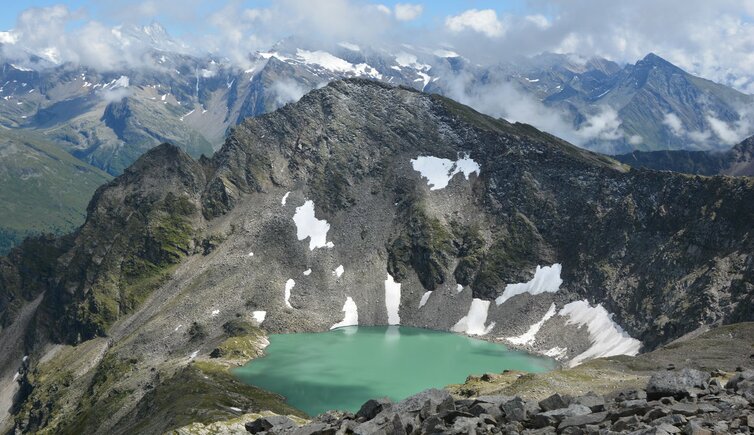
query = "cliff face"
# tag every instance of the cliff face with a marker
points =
(356, 187)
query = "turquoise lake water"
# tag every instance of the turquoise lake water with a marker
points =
(343, 368)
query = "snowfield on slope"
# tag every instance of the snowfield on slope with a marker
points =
(307, 225)
(546, 279)
(606, 336)
(439, 172)
(473, 322)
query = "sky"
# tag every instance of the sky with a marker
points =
(710, 38)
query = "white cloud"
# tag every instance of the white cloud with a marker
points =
(674, 123)
(482, 21)
(538, 20)
(384, 9)
(287, 91)
(408, 11)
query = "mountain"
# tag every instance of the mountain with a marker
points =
(45, 190)
(654, 104)
(736, 161)
(384, 194)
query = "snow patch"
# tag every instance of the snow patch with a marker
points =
(251, 254)
(215, 313)
(307, 272)
(459, 288)
(177, 328)
(425, 298)
(338, 271)
(473, 322)
(556, 352)
(606, 336)
(233, 408)
(351, 316)
(335, 64)
(194, 354)
(285, 198)
(259, 316)
(439, 172)
(546, 279)
(392, 300)
(529, 336)
(288, 286)
(309, 226)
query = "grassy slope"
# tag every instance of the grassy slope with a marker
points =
(44, 189)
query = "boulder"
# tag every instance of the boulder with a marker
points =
(582, 420)
(372, 407)
(273, 422)
(556, 401)
(418, 401)
(518, 409)
(677, 384)
(594, 402)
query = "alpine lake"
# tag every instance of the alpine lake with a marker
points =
(343, 368)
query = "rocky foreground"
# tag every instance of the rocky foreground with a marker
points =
(674, 401)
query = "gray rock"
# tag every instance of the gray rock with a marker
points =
(554, 417)
(312, 429)
(675, 419)
(582, 420)
(556, 401)
(276, 422)
(687, 409)
(497, 400)
(628, 408)
(669, 428)
(433, 424)
(696, 428)
(676, 383)
(416, 402)
(594, 402)
(372, 407)
(625, 423)
(518, 410)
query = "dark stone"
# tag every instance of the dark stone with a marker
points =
(628, 408)
(278, 422)
(313, 429)
(485, 408)
(623, 395)
(655, 413)
(450, 416)
(416, 402)
(517, 410)
(625, 423)
(582, 420)
(677, 383)
(687, 409)
(674, 419)
(696, 428)
(433, 424)
(708, 408)
(497, 400)
(556, 401)
(594, 402)
(372, 407)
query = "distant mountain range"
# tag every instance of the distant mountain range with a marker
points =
(107, 119)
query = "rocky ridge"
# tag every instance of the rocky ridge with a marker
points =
(686, 401)
(175, 250)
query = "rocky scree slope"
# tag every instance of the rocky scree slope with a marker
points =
(327, 201)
